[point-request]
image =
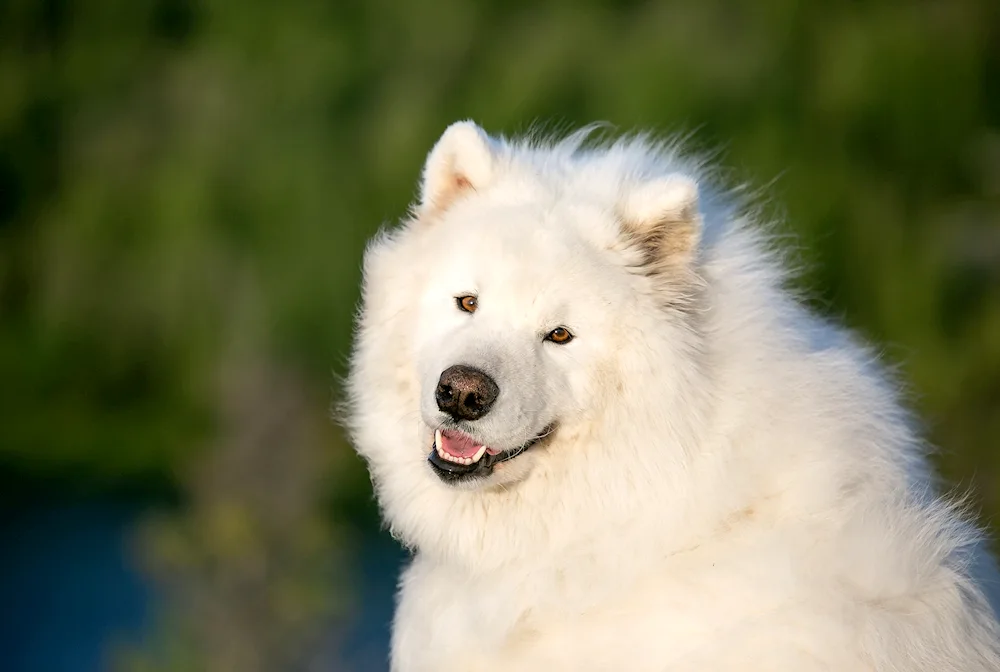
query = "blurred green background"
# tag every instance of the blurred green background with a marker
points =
(185, 192)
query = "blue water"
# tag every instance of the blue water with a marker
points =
(367, 640)
(66, 586)
(69, 590)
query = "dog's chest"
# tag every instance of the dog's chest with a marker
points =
(445, 616)
(673, 613)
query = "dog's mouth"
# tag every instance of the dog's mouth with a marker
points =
(456, 456)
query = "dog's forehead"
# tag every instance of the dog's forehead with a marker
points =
(533, 238)
(531, 258)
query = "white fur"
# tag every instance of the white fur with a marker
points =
(667, 196)
(732, 484)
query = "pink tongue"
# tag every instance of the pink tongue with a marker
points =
(458, 445)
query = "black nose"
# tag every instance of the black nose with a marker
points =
(465, 393)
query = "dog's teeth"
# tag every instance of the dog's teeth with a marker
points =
(454, 458)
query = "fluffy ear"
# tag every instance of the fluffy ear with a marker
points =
(461, 161)
(663, 218)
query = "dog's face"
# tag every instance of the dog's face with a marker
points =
(510, 312)
(517, 322)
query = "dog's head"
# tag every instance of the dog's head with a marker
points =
(525, 300)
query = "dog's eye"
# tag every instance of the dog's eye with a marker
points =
(467, 303)
(559, 335)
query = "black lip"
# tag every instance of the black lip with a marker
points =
(451, 472)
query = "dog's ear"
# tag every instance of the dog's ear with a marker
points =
(663, 219)
(461, 161)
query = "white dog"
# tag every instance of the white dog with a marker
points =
(614, 440)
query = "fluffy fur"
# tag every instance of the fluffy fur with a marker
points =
(730, 483)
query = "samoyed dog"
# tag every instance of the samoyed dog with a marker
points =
(613, 440)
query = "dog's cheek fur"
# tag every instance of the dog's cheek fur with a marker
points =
(383, 384)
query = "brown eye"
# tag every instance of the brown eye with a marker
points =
(559, 335)
(467, 303)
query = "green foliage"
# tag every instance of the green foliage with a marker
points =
(185, 185)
